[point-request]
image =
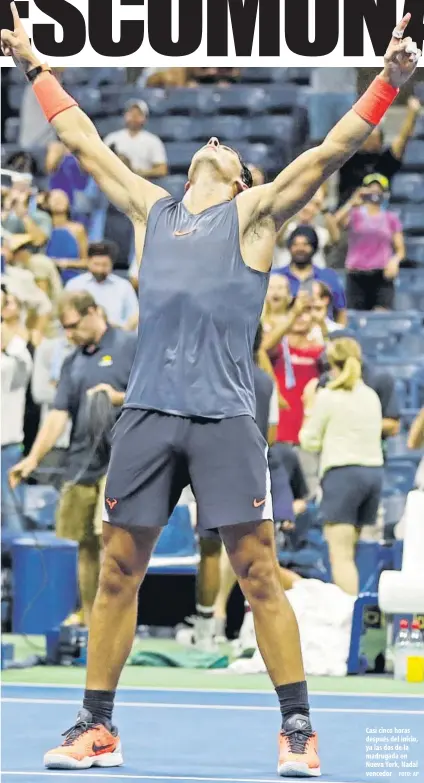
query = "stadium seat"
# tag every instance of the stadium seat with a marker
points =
(89, 99)
(15, 94)
(73, 76)
(372, 346)
(414, 155)
(408, 187)
(281, 99)
(281, 75)
(241, 100)
(106, 125)
(175, 128)
(40, 503)
(115, 98)
(226, 127)
(182, 100)
(301, 76)
(419, 128)
(399, 475)
(180, 154)
(174, 184)
(272, 128)
(260, 75)
(102, 76)
(381, 324)
(419, 91)
(417, 387)
(257, 154)
(412, 219)
(415, 249)
(11, 130)
(412, 344)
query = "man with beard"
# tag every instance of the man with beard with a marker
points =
(301, 272)
(115, 294)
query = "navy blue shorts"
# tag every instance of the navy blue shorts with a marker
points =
(155, 455)
(351, 494)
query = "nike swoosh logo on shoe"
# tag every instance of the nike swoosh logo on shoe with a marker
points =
(101, 748)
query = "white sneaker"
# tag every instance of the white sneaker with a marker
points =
(201, 635)
(246, 643)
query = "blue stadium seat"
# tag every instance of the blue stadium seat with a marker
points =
(412, 219)
(106, 125)
(180, 154)
(399, 475)
(281, 75)
(381, 324)
(419, 128)
(257, 154)
(175, 128)
(89, 98)
(414, 155)
(372, 346)
(73, 76)
(417, 388)
(272, 128)
(301, 76)
(174, 184)
(182, 100)
(408, 278)
(419, 91)
(11, 130)
(226, 127)
(102, 76)
(397, 445)
(260, 75)
(281, 99)
(14, 95)
(415, 249)
(408, 187)
(241, 100)
(412, 344)
(115, 98)
(40, 503)
(394, 506)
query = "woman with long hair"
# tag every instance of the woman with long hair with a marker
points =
(343, 423)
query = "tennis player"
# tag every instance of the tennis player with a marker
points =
(189, 410)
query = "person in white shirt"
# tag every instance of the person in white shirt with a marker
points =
(115, 294)
(16, 367)
(144, 150)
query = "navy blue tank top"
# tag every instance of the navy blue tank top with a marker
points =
(200, 307)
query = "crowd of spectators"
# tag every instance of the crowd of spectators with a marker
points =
(60, 238)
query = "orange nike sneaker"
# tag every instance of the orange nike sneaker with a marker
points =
(87, 744)
(298, 749)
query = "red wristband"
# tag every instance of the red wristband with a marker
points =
(52, 98)
(376, 100)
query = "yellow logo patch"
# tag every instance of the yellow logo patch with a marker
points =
(106, 361)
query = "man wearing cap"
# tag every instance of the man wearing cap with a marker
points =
(302, 272)
(376, 246)
(144, 150)
(20, 280)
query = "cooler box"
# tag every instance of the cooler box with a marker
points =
(45, 588)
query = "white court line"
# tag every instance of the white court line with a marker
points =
(227, 707)
(244, 691)
(106, 776)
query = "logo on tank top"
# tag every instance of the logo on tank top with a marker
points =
(184, 233)
(111, 502)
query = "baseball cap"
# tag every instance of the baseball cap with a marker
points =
(142, 105)
(379, 178)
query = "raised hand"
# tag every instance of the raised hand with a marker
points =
(402, 55)
(15, 43)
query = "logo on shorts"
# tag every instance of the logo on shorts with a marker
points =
(111, 502)
(258, 503)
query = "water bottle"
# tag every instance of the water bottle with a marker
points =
(401, 650)
(415, 655)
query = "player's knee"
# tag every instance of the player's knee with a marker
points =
(117, 577)
(261, 580)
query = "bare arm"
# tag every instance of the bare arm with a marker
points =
(407, 128)
(416, 433)
(131, 194)
(55, 153)
(296, 185)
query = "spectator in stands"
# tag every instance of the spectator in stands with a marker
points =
(144, 150)
(101, 363)
(295, 363)
(16, 366)
(322, 307)
(19, 218)
(332, 94)
(343, 422)
(115, 294)
(34, 130)
(47, 278)
(301, 272)
(68, 243)
(167, 78)
(373, 156)
(65, 173)
(311, 215)
(376, 246)
(48, 360)
(36, 307)
(222, 77)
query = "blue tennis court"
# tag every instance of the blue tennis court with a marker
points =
(214, 736)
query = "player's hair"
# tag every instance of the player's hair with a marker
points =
(345, 354)
(246, 174)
